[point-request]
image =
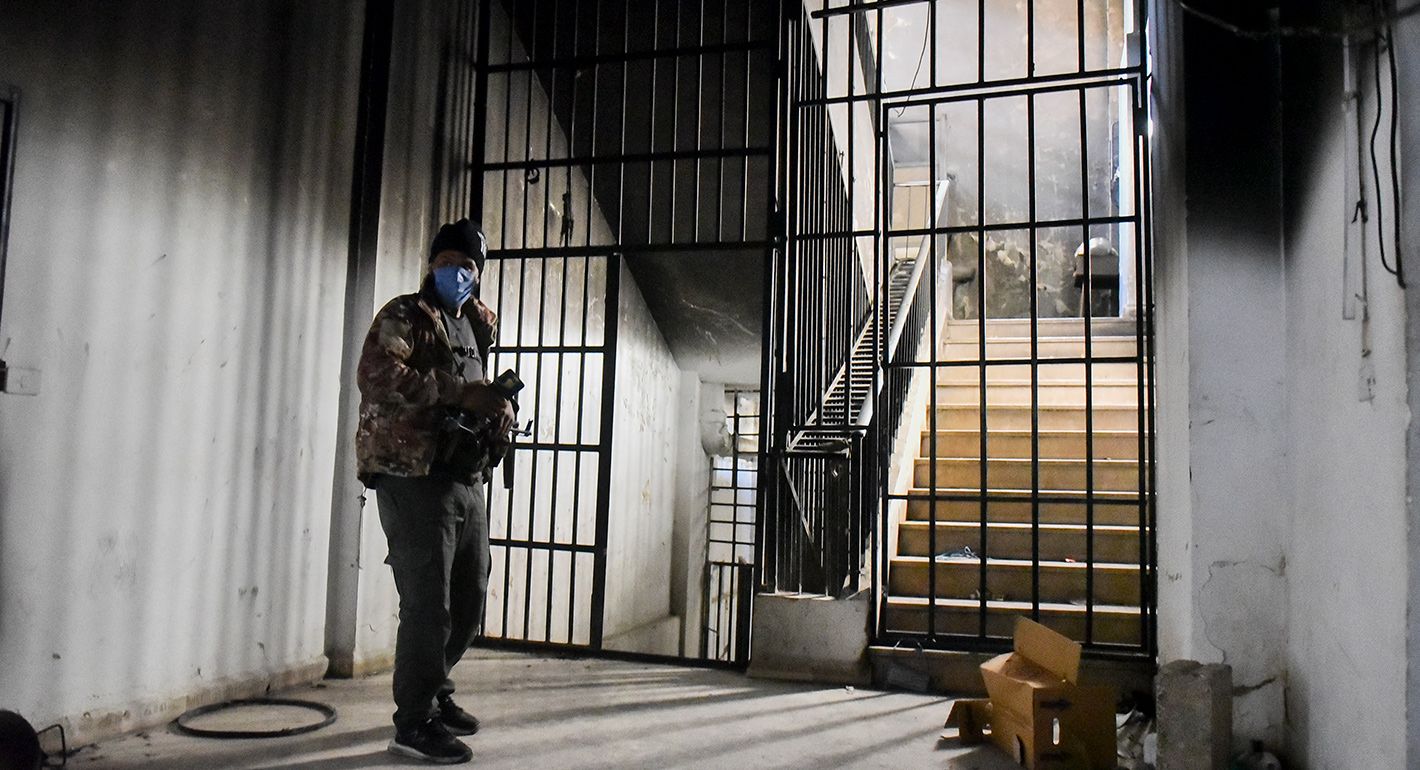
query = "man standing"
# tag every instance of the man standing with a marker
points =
(423, 361)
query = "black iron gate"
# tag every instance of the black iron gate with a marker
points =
(966, 253)
(589, 135)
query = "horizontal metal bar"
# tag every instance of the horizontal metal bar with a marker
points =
(552, 252)
(1038, 225)
(622, 159)
(553, 447)
(570, 649)
(862, 7)
(533, 349)
(1045, 497)
(973, 643)
(591, 60)
(541, 545)
(972, 364)
(991, 89)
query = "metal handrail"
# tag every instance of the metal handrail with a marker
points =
(899, 323)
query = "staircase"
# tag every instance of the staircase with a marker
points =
(945, 539)
(844, 399)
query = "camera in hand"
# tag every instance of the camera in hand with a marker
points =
(468, 445)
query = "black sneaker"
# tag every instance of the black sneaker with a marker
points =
(458, 721)
(430, 742)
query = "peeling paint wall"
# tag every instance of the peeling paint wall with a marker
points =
(176, 272)
(1237, 395)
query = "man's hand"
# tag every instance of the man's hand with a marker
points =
(481, 399)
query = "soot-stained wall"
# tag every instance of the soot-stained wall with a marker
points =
(1282, 413)
(176, 273)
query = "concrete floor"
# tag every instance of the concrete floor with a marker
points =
(553, 713)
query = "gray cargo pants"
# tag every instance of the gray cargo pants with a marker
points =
(437, 530)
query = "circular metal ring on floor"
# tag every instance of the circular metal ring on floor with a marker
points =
(182, 722)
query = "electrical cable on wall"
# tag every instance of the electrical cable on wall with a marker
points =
(1397, 240)
(1384, 38)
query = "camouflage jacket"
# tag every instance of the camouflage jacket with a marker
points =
(406, 379)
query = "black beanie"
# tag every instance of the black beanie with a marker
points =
(461, 236)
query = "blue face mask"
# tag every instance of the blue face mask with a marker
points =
(454, 285)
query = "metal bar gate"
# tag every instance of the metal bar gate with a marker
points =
(587, 135)
(959, 378)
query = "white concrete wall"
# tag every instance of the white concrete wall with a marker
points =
(648, 423)
(1408, 70)
(362, 606)
(176, 272)
(1224, 478)
(1346, 553)
(1282, 512)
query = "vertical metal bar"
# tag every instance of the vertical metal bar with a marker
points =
(1088, 301)
(504, 266)
(981, 334)
(552, 126)
(675, 128)
(621, 162)
(980, 53)
(608, 404)
(776, 232)
(699, 121)
(9, 132)
(1080, 31)
(932, 30)
(595, 127)
(1145, 390)
(1030, 38)
(745, 608)
(932, 373)
(472, 103)
(720, 121)
(582, 353)
(1034, 356)
(655, 65)
(748, 104)
(880, 208)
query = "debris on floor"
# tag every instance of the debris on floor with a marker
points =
(1037, 710)
(1138, 741)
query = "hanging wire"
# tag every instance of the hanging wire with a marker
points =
(1384, 40)
(926, 34)
(1395, 155)
(1380, 22)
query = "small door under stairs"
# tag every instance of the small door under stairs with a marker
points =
(1058, 530)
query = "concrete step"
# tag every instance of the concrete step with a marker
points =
(959, 673)
(1109, 475)
(997, 328)
(955, 349)
(1116, 544)
(1111, 508)
(1019, 393)
(1112, 624)
(1046, 372)
(958, 416)
(1062, 444)
(1010, 580)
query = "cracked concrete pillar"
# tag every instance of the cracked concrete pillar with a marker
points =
(1195, 715)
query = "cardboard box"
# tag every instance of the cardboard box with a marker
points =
(1038, 712)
